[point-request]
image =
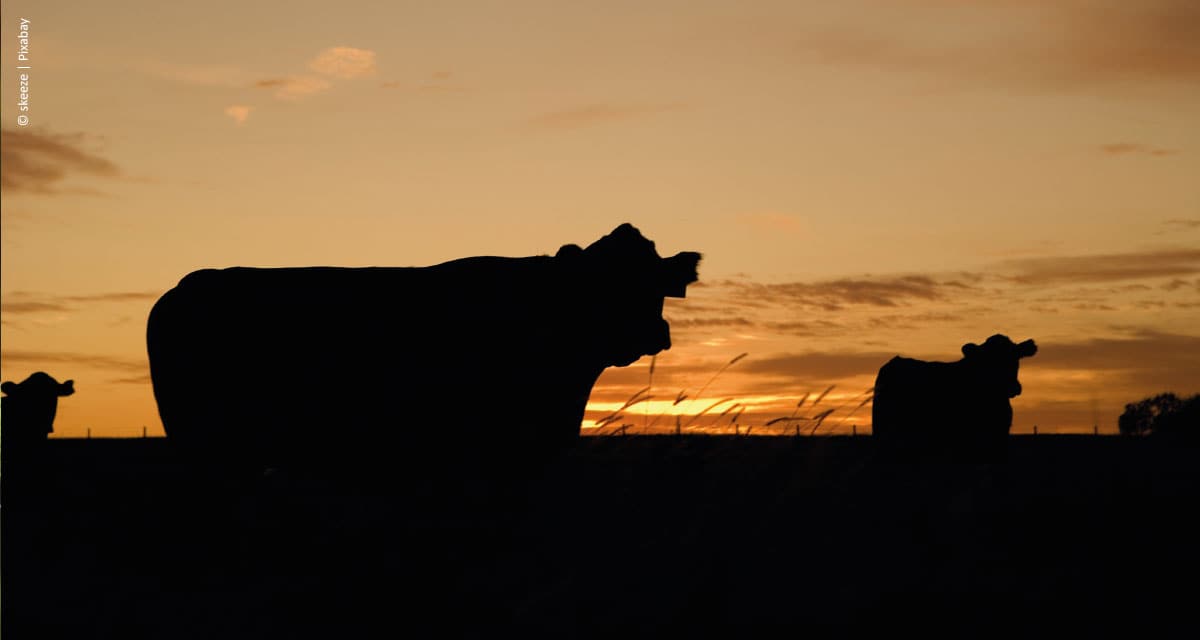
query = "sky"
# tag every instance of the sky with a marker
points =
(865, 179)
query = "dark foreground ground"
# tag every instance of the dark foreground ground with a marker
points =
(622, 537)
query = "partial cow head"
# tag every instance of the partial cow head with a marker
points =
(995, 363)
(38, 385)
(30, 406)
(626, 281)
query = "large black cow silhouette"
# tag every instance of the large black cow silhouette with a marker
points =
(28, 409)
(477, 352)
(958, 407)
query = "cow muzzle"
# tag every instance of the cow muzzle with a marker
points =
(678, 272)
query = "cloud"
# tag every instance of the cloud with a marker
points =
(832, 295)
(239, 112)
(1059, 46)
(344, 62)
(117, 296)
(1128, 148)
(815, 367)
(912, 321)
(688, 323)
(1180, 283)
(38, 162)
(1104, 268)
(28, 302)
(594, 114)
(1182, 224)
(294, 87)
(32, 307)
(337, 63)
(82, 360)
(808, 329)
(143, 379)
(1143, 359)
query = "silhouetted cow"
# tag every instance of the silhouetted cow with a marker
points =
(28, 408)
(475, 353)
(961, 406)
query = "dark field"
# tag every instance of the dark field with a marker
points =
(647, 537)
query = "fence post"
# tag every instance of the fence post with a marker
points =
(143, 431)
(89, 433)
(853, 429)
(1095, 429)
(1035, 429)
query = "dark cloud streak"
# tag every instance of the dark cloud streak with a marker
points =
(807, 368)
(1129, 148)
(833, 295)
(1070, 45)
(693, 323)
(27, 302)
(1104, 268)
(33, 307)
(38, 162)
(84, 360)
(1144, 359)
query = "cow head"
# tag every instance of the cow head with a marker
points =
(39, 385)
(995, 363)
(30, 406)
(626, 281)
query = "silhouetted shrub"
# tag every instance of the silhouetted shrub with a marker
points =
(1165, 414)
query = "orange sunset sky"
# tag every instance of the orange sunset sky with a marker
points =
(865, 178)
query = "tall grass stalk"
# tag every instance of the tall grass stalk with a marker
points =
(649, 385)
(719, 372)
(706, 410)
(642, 395)
(797, 409)
(869, 396)
(699, 393)
(733, 407)
(820, 419)
(817, 419)
(683, 395)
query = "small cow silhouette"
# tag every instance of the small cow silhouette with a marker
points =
(29, 408)
(957, 407)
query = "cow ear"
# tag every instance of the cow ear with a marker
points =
(66, 388)
(969, 349)
(626, 229)
(623, 242)
(1026, 349)
(678, 272)
(9, 387)
(569, 251)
